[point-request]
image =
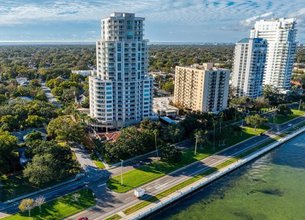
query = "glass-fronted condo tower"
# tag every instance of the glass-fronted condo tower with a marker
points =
(280, 35)
(121, 90)
(249, 67)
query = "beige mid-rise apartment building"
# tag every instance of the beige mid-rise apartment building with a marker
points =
(202, 87)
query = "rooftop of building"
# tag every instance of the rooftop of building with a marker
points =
(284, 20)
(123, 15)
(246, 40)
(204, 66)
(163, 103)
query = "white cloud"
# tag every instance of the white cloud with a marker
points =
(201, 15)
(185, 11)
(250, 21)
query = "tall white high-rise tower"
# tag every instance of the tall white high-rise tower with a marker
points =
(121, 90)
(249, 66)
(280, 35)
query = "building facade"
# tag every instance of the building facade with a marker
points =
(280, 35)
(249, 67)
(202, 88)
(121, 90)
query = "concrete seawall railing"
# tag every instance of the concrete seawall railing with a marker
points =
(210, 178)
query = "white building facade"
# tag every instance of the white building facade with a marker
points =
(249, 67)
(202, 88)
(280, 35)
(121, 90)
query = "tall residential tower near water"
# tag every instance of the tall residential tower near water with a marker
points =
(249, 66)
(121, 90)
(280, 35)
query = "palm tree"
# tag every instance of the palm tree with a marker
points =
(220, 117)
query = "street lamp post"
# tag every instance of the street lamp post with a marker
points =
(155, 133)
(197, 136)
(122, 172)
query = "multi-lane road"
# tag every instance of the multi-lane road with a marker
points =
(109, 202)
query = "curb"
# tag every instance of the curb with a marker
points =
(39, 191)
(191, 188)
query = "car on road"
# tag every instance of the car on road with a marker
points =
(83, 218)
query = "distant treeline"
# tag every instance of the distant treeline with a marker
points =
(28, 60)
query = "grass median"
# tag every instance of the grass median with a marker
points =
(147, 173)
(114, 217)
(59, 208)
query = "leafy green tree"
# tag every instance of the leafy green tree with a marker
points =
(26, 205)
(273, 95)
(40, 95)
(283, 109)
(202, 136)
(173, 133)
(255, 120)
(170, 153)
(64, 128)
(9, 123)
(132, 142)
(34, 121)
(41, 170)
(168, 86)
(33, 136)
(3, 99)
(150, 125)
(56, 160)
(8, 147)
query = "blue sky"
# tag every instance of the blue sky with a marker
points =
(166, 20)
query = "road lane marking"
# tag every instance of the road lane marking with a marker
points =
(101, 185)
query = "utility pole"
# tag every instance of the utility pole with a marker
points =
(300, 104)
(196, 136)
(121, 172)
(155, 133)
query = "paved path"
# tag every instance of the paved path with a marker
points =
(83, 157)
(51, 98)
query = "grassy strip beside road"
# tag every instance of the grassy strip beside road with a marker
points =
(279, 119)
(17, 185)
(114, 217)
(59, 208)
(14, 185)
(99, 164)
(147, 173)
(180, 186)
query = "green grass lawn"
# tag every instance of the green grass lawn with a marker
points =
(279, 119)
(114, 217)
(147, 173)
(59, 208)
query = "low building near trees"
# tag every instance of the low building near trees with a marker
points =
(162, 107)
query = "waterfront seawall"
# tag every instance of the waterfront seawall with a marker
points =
(210, 178)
